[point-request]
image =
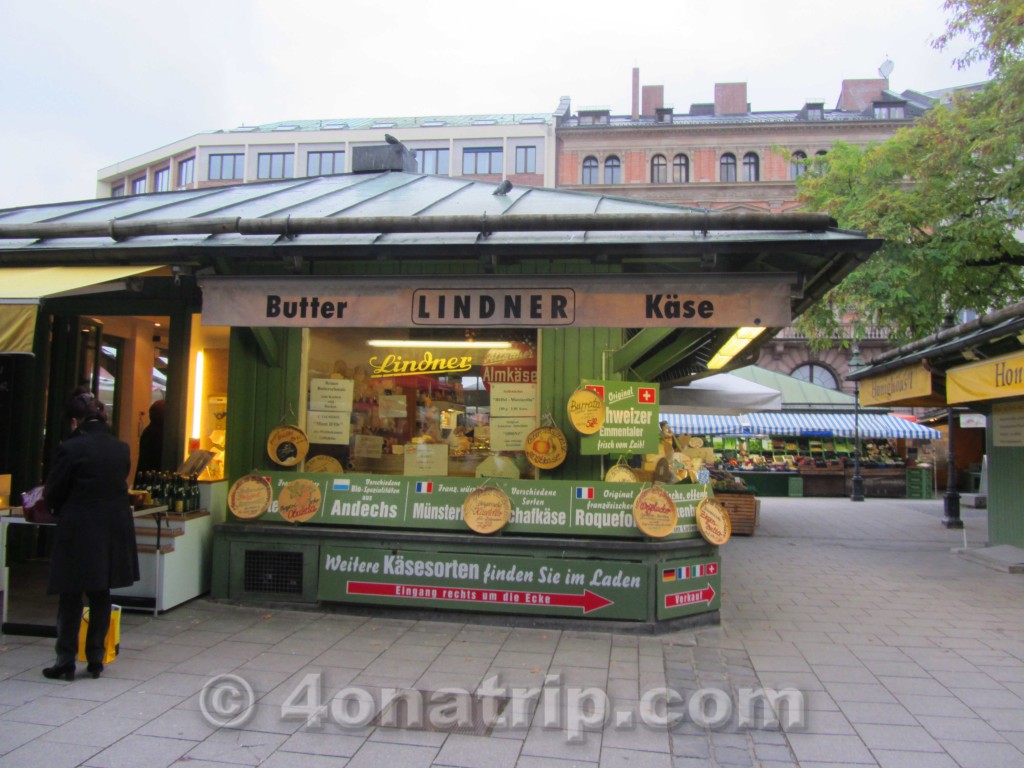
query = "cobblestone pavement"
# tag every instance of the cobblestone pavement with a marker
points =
(904, 654)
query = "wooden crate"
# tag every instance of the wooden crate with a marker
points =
(743, 511)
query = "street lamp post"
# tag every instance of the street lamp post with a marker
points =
(952, 500)
(857, 482)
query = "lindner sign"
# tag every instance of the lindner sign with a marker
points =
(500, 301)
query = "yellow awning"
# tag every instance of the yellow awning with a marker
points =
(38, 282)
(17, 328)
(986, 380)
(21, 288)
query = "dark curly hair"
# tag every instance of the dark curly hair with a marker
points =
(84, 406)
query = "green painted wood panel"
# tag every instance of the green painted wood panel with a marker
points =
(1005, 501)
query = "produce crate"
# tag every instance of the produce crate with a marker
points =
(743, 511)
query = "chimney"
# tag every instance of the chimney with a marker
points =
(731, 99)
(383, 157)
(858, 95)
(636, 93)
(653, 99)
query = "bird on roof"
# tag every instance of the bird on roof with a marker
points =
(503, 188)
(391, 139)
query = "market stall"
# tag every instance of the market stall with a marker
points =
(404, 376)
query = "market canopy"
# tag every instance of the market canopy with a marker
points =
(722, 393)
(702, 424)
(394, 225)
(21, 288)
(869, 425)
(796, 394)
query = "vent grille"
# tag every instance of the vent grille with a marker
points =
(273, 572)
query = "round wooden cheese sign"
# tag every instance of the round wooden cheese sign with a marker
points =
(287, 446)
(655, 512)
(299, 501)
(620, 473)
(586, 411)
(713, 522)
(487, 510)
(546, 447)
(249, 497)
(322, 463)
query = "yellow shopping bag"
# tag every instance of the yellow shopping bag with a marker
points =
(113, 640)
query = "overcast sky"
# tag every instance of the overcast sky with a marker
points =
(87, 83)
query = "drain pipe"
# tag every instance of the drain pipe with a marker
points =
(289, 226)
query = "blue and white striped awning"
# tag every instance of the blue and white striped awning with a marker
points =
(870, 425)
(702, 424)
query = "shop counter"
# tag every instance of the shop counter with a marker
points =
(635, 585)
(889, 482)
(768, 483)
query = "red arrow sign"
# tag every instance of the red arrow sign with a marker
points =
(692, 597)
(588, 601)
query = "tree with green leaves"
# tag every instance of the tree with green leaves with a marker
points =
(946, 194)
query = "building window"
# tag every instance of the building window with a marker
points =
(612, 170)
(815, 113)
(680, 169)
(226, 167)
(275, 165)
(481, 161)
(139, 186)
(590, 170)
(433, 161)
(797, 165)
(325, 163)
(889, 112)
(659, 170)
(117, 191)
(186, 172)
(526, 159)
(815, 374)
(727, 167)
(751, 167)
(162, 180)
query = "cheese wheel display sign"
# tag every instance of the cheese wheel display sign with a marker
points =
(322, 463)
(546, 447)
(287, 446)
(620, 473)
(487, 510)
(713, 522)
(249, 497)
(586, 411)
(299, 501)
(655, 512)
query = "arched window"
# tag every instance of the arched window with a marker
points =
(816, 374)
(590, 170)
(797, 165)
(680, 169)
(612, 170)
(727, 167)
(659, 170)
(751, 167)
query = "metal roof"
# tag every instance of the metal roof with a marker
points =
(392, 222)
(398, 123)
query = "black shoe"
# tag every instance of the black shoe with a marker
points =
(67, 671)
(95, 669)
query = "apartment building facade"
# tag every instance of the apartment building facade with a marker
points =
(517, 147)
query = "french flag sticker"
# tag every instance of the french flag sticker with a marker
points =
(424, 487)
(584, 493)
(341, 484)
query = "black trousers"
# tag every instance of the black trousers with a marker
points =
(69, 619)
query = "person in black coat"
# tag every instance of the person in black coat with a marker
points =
(94, 550)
